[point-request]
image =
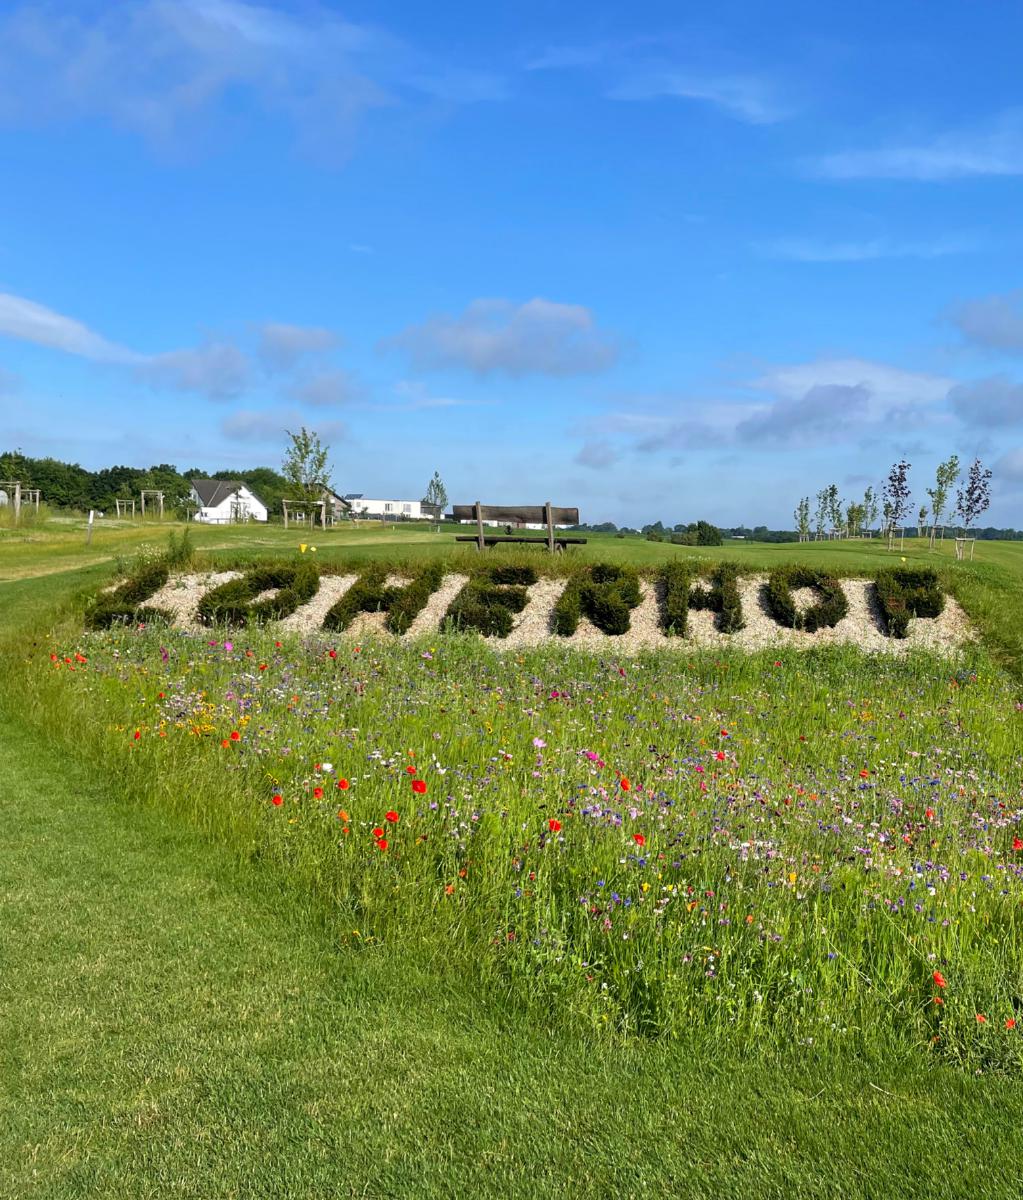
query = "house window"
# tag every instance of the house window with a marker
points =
(388, 507)
(406, 508)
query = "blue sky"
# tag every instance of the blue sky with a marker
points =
(657, 260)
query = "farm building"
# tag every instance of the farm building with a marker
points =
(226, 501)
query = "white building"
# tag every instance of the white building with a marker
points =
(226, 501)
(387, 510)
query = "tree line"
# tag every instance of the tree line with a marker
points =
(890, 509)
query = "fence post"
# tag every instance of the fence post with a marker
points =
(481, 544)
(549, 518)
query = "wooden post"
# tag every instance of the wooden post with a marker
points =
(550, 526)
(88, 535)
(17, 502)
(482, 545)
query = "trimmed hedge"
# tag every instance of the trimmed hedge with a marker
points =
(605, 593)
(677, 578)
(489, 600)
(825, 613)
(722, 597)
(127, 601)
(370, 593)
(904, 592)
(234, 602)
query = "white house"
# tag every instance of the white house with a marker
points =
(226, 501)
(388, 510)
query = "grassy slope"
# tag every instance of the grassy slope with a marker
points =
(173, 1025)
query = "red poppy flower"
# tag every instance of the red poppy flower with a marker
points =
(1017, 843)
(318, 793)
(981, 1019)
(720, 755)
(639, 839)
(554, 825)
(137, 735)
(225, 743)
(262, 666)
(864, 774)
(391, 816)
(939, 979)
(235, 736)
(343, 784)
(332, 654)
(624, 783)
(410, 770)
(419, 787)
(277, 799)
(929, 814)
(1010, 1023)
(378, 832)
(381, 843)
(937, 1000)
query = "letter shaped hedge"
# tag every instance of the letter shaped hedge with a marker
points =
(829, 609)
(605, 593)
(127, 601)
(370, 593)
(904, 592)
(235, 603)
(489, 601)
(722, 598)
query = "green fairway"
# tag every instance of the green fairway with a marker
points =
(186, 1017)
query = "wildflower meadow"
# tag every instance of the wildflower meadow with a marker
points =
(802, 847)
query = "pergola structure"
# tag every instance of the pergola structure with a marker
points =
(154, 494)
(12, 487)
(122, 507)
(303, 507)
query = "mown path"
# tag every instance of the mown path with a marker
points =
(173, 1023)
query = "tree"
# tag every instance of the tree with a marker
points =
(834, 503)
(305, 465)
(820, 515)
(870, 508)
(947, 474)
(855, 514)
(972, 502)
(436, 493)
(896, 500)
(802, 518)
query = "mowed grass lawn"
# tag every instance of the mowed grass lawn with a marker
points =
(176, 1022)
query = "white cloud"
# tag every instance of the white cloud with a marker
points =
(218, 370)
(994, 321)
(537, 337)
(996, 149)
(30, 322)
(890, 389)
(269, 426)
(994, 402)
(162, 68)
(328, 389)
(281, 345)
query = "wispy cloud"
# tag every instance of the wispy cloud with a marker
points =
(281, 346)
(995, 322)
(491, 336)
(995, 402)
(819, 250)
(160, 68)
(748, 98)
(269, 426)
(328, 389)
(995, 149)
(597, 454)
(215, 369)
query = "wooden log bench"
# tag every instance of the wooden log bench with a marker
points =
(522, 514)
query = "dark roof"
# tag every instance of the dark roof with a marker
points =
(213, 492)
(353, 495)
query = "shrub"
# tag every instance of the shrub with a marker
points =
(235, 603)
(371, 593)
(605, 593)
(127, 601)
(830, 608)
(904, 592)
(676, 578)
(722, 597)
(489, 600)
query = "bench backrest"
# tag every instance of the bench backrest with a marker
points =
(515, 514)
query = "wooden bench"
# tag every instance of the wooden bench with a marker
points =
(522, 514)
